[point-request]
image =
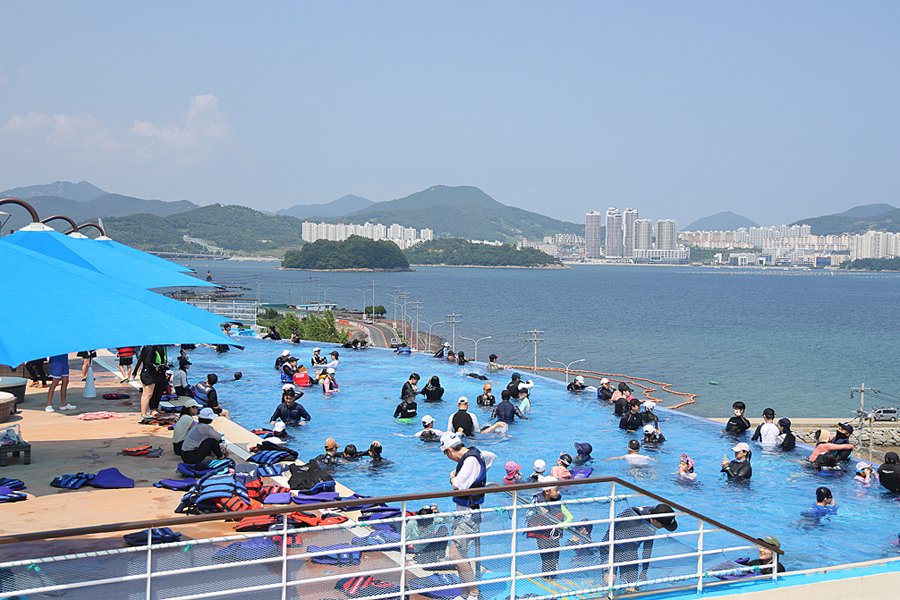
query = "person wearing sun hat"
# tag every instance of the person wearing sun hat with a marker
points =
(652, 518)
(767, 557)
(739, 468)
(513, 474)
(583, 451)
(329, 457)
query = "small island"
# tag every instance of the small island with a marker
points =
(458, 252)
(353, 254)
(872, 264)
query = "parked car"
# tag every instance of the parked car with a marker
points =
(885, 413)
(394, 342)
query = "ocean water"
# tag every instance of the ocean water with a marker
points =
(793, 340)
(769, 504)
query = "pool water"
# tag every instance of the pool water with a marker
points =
(370, 382)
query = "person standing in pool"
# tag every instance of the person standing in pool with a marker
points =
(824, 505)
(767, 431)
(285, 354)
(433, 391)
(506, 411)
(823, 447)
(462, 422)
(583, 453)
(442, 351)
(290, 412)
(486, 398)
(410, 387)
(577, 384)
(632, 421)
(605, 391)
(738, 469)
(317, 359)
(407, 408)
(786, 439)
(515, 384)
(738, 423)
(842, 436)
(470, 473)
(889, 472)
(767, 557)
(634, 458)
(428, 433)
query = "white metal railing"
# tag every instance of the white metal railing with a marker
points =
(399, 554)
(236, 310)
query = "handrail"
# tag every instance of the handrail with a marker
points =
(63, 218)
(155, 523)
(34, 216)
(80, 227)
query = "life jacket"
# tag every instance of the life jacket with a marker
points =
(213, 493)
(304, 477)
(13, 484)
(8, 495)
(271, 470)
(115, 396)
(136, 451)
(179, 485)
(287, 377)
(472, 500)
(361, 586)
(463, 419)
(126, 352)
(429, 435)
(71, 482)
(161, 535)
(219, 465)
(341, 555)
(260, 523)
(404, 350)
(267, 445)
(201, 391)
(268, 457)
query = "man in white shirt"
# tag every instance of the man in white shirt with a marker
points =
(767, 432)
(470, 474)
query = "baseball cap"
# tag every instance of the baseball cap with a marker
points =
(288, 386)
(540, 466)
(822, 493)
(604, 380)
(565, 459)
(279, 427)
(862, 465)
(846, 427)
(648, 428)
(463, 400)
(207, 413)
(666, 516)
(427, 420)
(548, 480)
(317, 349)
(512, 468)
(579, 379)
(446, 344)
(331, 370)
(649, 405)
(771, 540)
(743, 446)
(487, 386)
(190, 403)
(623, 387)
(330, 443)
(286, 353)
(450, 440)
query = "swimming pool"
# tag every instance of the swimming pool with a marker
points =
(370, 382)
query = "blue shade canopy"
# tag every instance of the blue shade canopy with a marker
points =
(89, 254)
(135, 253)
(53, 307)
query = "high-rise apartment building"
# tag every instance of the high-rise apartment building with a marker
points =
(666, 234)
(643, 234)
(593, 243)
(628, 219)
(614, 234)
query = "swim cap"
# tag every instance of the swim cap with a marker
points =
(487, 386)
(540, 466)
(822, 493)
(648, 428)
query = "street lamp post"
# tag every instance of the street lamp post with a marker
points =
(556, 362)
(430, 325)
(325, 295)
(476, 344)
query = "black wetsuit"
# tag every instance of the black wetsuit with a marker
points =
(280, 361)
(737, 425)
(765, 570)
(486, 400)
(405, 410)
(605, 393)
(621, 406)
(889, 476)
(318, 361)
(506, 411)
(841, 455)
(575, 386)
(36, 370)
(648, 417)
(789, 443)
(513, 388)
(290, 415)
(739, 469)
(408, 390)
(433, 393)
(463, 419)
(631, 422)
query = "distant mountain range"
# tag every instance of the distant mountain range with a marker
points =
(81, 191)
(723, 221)
(335, 208)
(859, 219)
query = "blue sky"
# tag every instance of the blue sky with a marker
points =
(773, 110)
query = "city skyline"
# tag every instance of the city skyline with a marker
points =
(774, 111)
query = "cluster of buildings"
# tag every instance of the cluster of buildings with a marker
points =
(630, 238)
(405, 237)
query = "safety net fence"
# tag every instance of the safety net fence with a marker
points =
(525, 542)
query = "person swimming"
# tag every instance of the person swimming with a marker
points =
(824, 505)
(685, 468)
(583, 453)
(634, 458)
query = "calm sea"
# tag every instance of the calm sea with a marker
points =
(793, 340)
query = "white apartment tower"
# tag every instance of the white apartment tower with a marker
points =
(614, 236)
(666, 234)
(593, 243)
(643, 234)
(629, 217)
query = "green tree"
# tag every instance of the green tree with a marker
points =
(377, 310)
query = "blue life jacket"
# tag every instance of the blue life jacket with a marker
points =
(472, 500)
(201, 391)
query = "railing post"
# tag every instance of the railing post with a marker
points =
(149, 560)
(611, 574)
(512, 544)
(284, 547)
(403, 551)
(774, 567)
(699, 556)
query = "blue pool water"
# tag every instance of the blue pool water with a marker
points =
(370, 386)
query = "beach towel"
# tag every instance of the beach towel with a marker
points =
(96, 416)
(162, 535)
(111, 479)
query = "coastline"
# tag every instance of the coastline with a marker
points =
(547, 267)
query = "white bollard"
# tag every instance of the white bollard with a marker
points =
(89, 391)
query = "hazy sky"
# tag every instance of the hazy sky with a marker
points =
(776, 111)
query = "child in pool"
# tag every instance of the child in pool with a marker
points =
(686, 468)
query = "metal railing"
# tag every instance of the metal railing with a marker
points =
(441, 554)
(236, 310)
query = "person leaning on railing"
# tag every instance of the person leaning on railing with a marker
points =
(652, 518)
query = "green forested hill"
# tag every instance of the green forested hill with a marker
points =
(353, 253)
(456, 251)
(838, 224)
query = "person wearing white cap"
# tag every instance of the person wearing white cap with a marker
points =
(605, 391)
(652, 435)
(577, 384)
(290, 412)
(470, 474)
(442, 351)
(540, 467)
(648, 416)
(739, 468)
(329, 384)
(317, 360)
(462, 421)
(428, 433)
(541, 514)
(285, 354)
(189, 410)
(202, 440)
